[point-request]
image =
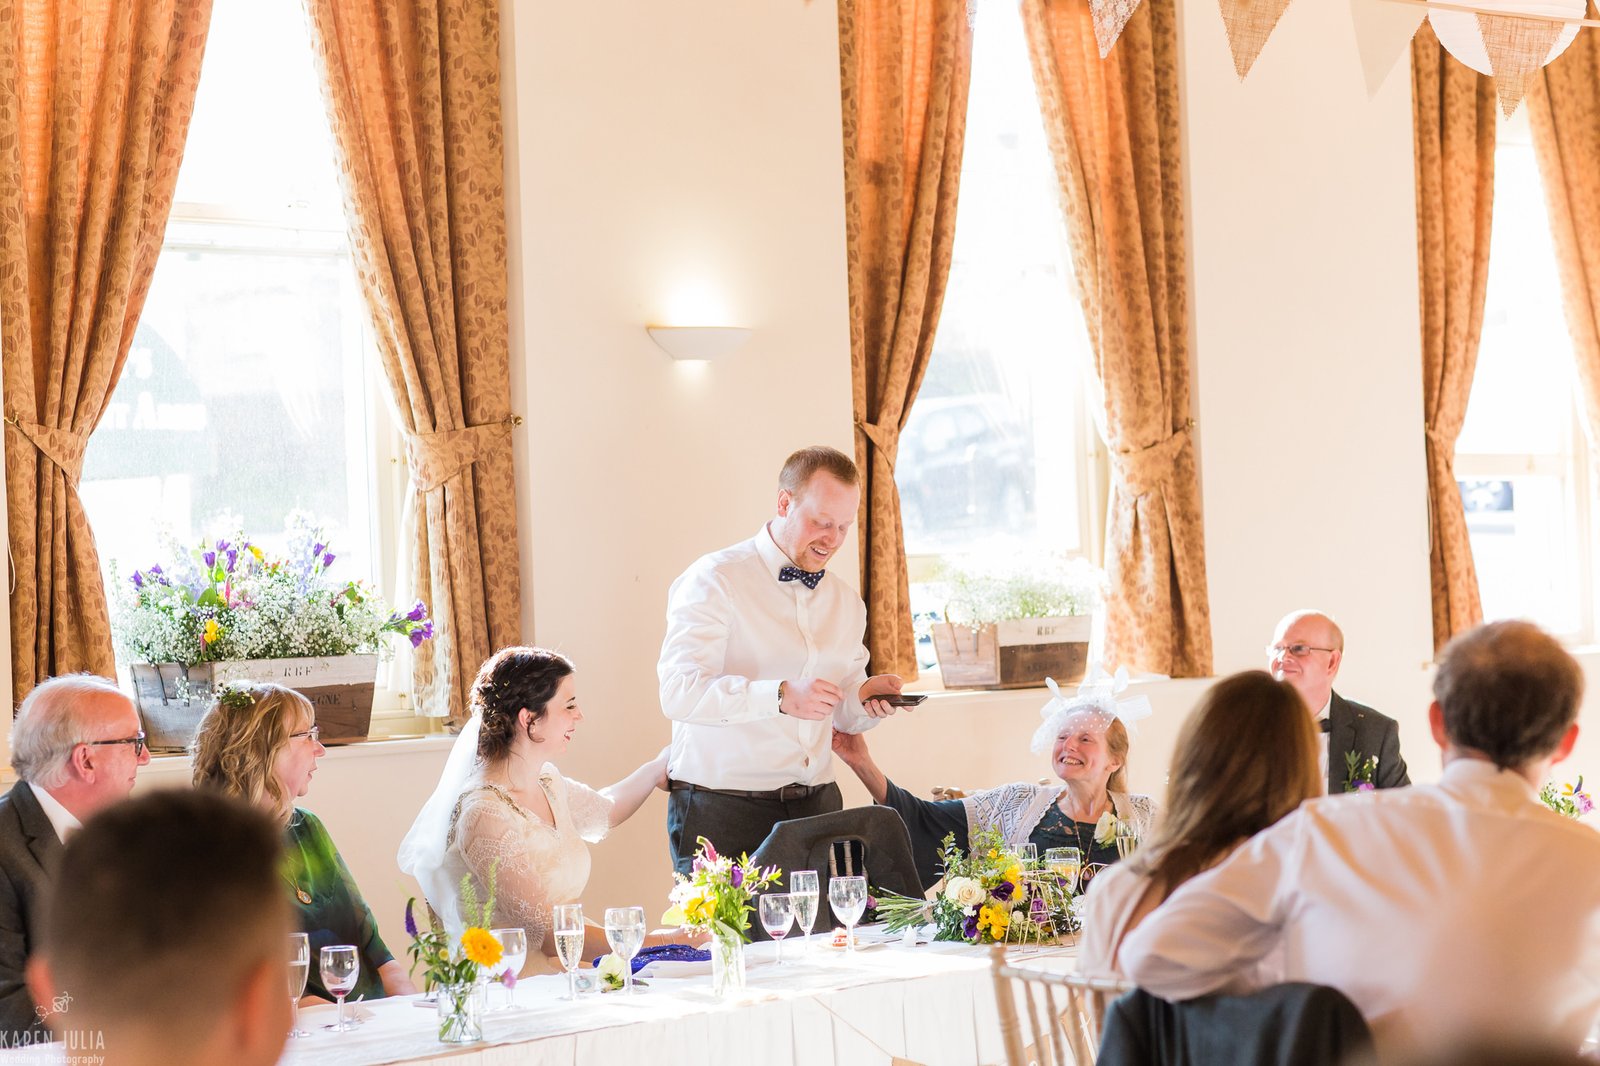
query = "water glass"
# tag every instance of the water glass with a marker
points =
(625, 934)
(849, 898)
(299, 970)
(341, 966)
(567, 928)
(803, 899)
(777, 915)
(513, 953)
(1029, 856)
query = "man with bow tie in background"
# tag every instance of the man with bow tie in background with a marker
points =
(1306, 650)
(762, 660)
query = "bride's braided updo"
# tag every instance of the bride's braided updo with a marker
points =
(511, 679)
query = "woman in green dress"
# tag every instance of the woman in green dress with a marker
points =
(259, 742)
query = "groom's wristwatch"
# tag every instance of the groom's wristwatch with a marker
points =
(780, 695)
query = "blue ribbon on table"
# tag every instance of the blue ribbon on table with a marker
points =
(665, 953)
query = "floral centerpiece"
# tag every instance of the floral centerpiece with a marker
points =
(1571, 800)
(717, 898)
(228, 610)
(989, 897)
(454, 968)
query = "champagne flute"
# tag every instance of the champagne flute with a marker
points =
(849, 898)
(568, 930)
(299, 969)
(341, 966)
(777, 915)
(803, 898)
(514, 952)
(625, 934)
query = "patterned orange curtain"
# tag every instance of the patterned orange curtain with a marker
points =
(1454, 130)
(904, 69)
(414, 95)
(1564, 108)
(1113, 130)
(95, 102)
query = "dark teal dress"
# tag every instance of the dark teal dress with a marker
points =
(329, 905)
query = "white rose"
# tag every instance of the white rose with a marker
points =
(969, 893)
(610, 971)
(1105, 830)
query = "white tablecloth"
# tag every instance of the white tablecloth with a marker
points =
(932, 1005)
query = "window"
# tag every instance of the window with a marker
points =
(1522, 463)
(994, 461)
(248, 392)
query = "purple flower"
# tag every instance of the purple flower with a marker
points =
(421, 633)
(156, 569)
(1585, 804)
(411, 921)
(222, 545)
(509, 978)
(233, 559)
(209, 558)
(736, 876)
(1366, 786)
(1003, 891)
(1037, 907)
(872, 904)
(970, 929)
(317, 549)
(138, 580)
(327, 560)
(417, 613)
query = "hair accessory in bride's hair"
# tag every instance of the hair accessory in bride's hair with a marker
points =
(1097, 696)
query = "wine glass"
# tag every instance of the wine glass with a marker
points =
(803, 899)
(1028, 854)
(625, 934)
(849, 898)
(568, 931)
(777, 915)
(299, 969)
(1065, 863)
(514, 952)
(341, 965)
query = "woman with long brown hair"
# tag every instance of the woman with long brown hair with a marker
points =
(1246, 756)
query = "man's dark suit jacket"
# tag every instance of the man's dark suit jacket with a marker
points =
(1356, 727)
(29, 852)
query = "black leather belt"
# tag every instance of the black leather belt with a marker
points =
(786, 794)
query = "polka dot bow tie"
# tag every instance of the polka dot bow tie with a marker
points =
(809, 578)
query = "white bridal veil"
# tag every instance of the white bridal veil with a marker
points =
(423, 853)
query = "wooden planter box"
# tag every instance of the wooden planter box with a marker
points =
(1018, 653)
(171, 697)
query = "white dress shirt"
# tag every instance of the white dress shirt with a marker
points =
(734, 631)
(63, 821)
(1443, 911)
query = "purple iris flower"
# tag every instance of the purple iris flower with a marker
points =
(417, 613)
(411, 921)
(736, 876)
(138, 580)
(209, 558)
(327, 560)
(421, 633)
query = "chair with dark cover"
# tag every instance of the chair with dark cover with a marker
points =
(1293, 1024)
(870, 841)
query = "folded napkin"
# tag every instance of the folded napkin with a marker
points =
(665, 953)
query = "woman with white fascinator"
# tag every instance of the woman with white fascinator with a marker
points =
(1087, 738)
(502, 805)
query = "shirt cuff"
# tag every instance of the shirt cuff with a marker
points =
(762, 699)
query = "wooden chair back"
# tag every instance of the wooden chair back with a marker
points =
(1064, 1011)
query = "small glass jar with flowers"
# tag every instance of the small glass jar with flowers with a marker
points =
(717, 898)
(456, 969)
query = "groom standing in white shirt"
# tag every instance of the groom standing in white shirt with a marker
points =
(762, 660)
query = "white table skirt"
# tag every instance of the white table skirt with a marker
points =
(930, 1005)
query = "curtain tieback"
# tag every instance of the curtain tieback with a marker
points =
(63, 447)
(435, 458)
(886, 440)
(1144, 470)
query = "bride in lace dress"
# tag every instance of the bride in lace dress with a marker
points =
(501, 804)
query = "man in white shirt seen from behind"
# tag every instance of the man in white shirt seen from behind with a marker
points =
(1446, 912)
(763, 659)
(75, 745)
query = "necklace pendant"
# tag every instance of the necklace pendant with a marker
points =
(302, 895)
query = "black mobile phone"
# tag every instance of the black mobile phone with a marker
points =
(902, 700)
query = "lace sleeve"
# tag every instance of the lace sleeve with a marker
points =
(491, 834)
(589, 810)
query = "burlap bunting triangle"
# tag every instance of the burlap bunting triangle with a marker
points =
(1517, 48)
(1110, 16)
(1249, 23)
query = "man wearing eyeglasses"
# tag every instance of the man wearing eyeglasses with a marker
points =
(1360, 747)
(76, 746)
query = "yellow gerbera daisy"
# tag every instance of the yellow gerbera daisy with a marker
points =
(480, 946)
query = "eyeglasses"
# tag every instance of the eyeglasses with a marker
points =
(137, 740)
(314, 732)
(1293, 651)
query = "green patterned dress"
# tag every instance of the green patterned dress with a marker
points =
(329, 905)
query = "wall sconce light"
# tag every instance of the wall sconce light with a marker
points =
(705, 343)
